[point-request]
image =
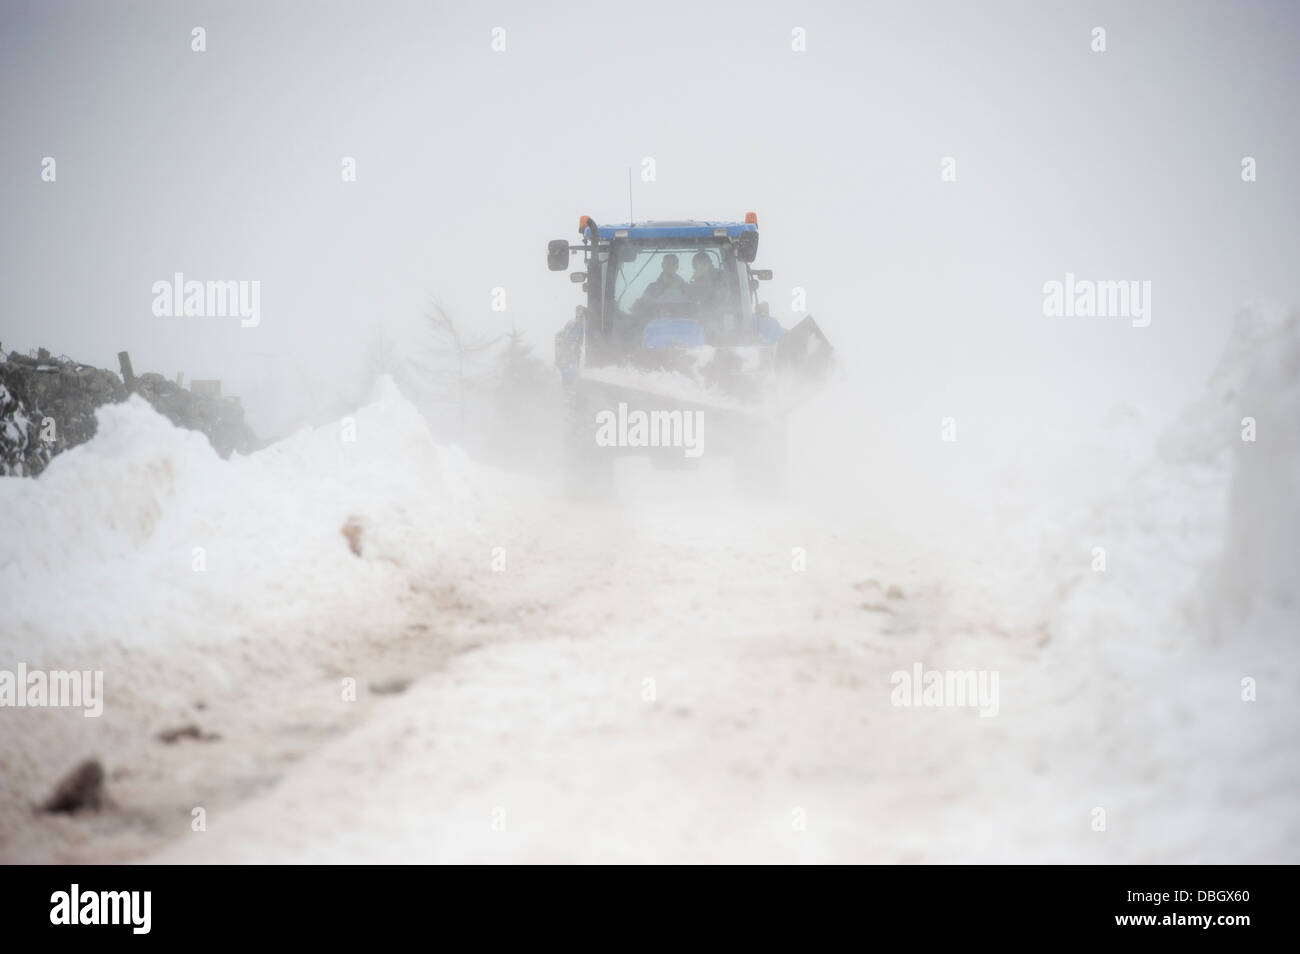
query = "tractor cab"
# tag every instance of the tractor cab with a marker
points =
(672, 327)
(661, 285)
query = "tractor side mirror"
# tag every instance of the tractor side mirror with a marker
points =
(576, 277)
(747, 247)
(557, 255)
(763, 274)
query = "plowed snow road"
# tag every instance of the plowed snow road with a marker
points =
(657, 684)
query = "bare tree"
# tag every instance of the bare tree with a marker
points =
(460, 350)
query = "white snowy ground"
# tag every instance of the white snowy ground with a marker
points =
(656, 682)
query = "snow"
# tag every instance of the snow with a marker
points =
(124, 515)
(670, 384)
(658, 682)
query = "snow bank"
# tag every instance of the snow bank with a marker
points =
(144, 535)
(1140, 584)
(1182, 650)
(1203, 536)
(1256, 569)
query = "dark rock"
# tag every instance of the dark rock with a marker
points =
(82, 788)
(22, 452)
(190, 731)
(351, 531)
(390, 687)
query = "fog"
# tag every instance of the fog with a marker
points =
(226, 164)
(949, 188)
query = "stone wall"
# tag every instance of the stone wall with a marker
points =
(34, 388)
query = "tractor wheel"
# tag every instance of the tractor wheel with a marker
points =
(589, 468)
(762, 462)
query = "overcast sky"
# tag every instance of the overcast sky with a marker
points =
(226, 164)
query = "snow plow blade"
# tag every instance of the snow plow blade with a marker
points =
(804, 352)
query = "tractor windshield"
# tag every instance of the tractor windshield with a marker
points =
(669, 280)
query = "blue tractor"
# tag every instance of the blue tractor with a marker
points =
(672, 342)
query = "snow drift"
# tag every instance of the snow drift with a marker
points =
(1203, 535)
(144, 535)
(1128, 592)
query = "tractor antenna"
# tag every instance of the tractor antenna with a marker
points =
(630, 219)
